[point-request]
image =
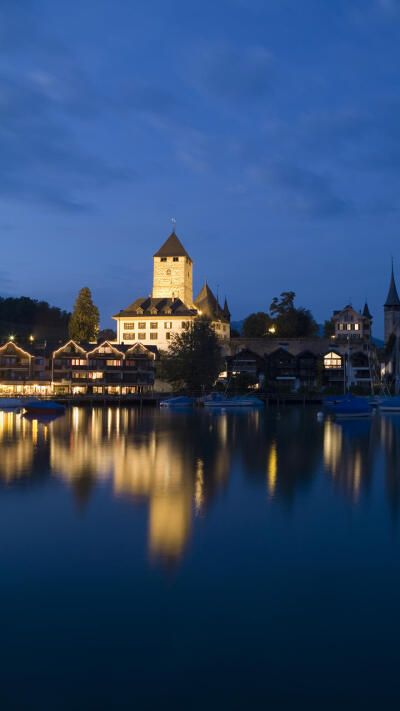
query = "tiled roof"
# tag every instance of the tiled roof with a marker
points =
(209, 306)
(156, 307)
(172, 247)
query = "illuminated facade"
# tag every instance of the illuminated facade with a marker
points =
(352, 325)
(75, 368)
(170, 308)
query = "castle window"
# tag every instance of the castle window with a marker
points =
(357, 326)
(341, 326)
(129, 326)
(349, 326)
(185, 324)
(128, 336)
(153, 336)
(175, 259)
(141, 335)
(153, 324)
(168, 271)
(168, 336)
(142, 325)
(163, 259)
(168, 324)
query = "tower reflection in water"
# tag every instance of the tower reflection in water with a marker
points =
(176, 463)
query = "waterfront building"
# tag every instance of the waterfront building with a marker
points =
(170, 308)
(76, 368)
(352, 325)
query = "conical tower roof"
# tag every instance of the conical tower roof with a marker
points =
(392, 297)
(366, 312)
(172, 247)
(208, 304)
(226, 311)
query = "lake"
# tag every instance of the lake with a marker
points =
(199, 560)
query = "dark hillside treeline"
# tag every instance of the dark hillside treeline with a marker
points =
(23, 317)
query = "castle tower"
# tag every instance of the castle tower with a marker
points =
(173, 272)
(392, 310)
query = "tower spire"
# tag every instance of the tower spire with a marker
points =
(392, 297)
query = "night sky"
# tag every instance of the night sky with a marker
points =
(270, 129)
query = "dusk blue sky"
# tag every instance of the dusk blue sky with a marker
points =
(270, 129)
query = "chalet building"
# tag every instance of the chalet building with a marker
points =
(74, 368)
(170, 308)
(352, 325)
(301, 363)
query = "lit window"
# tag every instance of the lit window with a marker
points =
(95, 375)
(349, 326)
(128, 336)
(113, 363)
(332, 360)
(129, 326)
(168, 336)
(79, 375)
(142, 325)
(341, 326)
(78, 361)
(167, 324)
(105, 349)
(153, 336)
(153, 324)
(356, 326)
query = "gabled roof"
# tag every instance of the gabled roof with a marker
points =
(172, 247)
(209, 306)
(392, 297)
(156, 307)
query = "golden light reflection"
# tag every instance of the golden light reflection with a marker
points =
(199, 486)
(272, 469)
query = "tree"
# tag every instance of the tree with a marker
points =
(257, 325)
(329, 328)
(24, 317)
(84, 321)
(194, 358)
(292, 322)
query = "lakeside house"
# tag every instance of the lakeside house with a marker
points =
(76, 368)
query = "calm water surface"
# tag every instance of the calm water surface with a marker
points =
(199, 560)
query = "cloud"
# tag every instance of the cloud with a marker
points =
(232, 74)
(301, 189)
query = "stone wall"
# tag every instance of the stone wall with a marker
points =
(173, 278)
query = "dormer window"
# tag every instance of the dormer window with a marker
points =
(163, 259)
(176, 259)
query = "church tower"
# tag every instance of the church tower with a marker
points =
(392, 310)
(173, 272)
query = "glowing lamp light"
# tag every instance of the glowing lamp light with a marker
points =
(272, 329)
(31, 338)
(12, 338)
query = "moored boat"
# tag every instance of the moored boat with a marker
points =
(175, 402)
(351, 407)
(11, 403)
(37, 407)
(218, 400)
(390, 403)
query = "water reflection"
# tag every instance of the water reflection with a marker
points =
(177, 464)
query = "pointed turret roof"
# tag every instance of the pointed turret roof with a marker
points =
(208, 305)
(226, 309)
(392, 297)
(172, 247)
(366, 312)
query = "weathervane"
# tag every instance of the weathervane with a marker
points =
(173, 223)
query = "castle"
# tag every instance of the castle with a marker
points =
(170, 308)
